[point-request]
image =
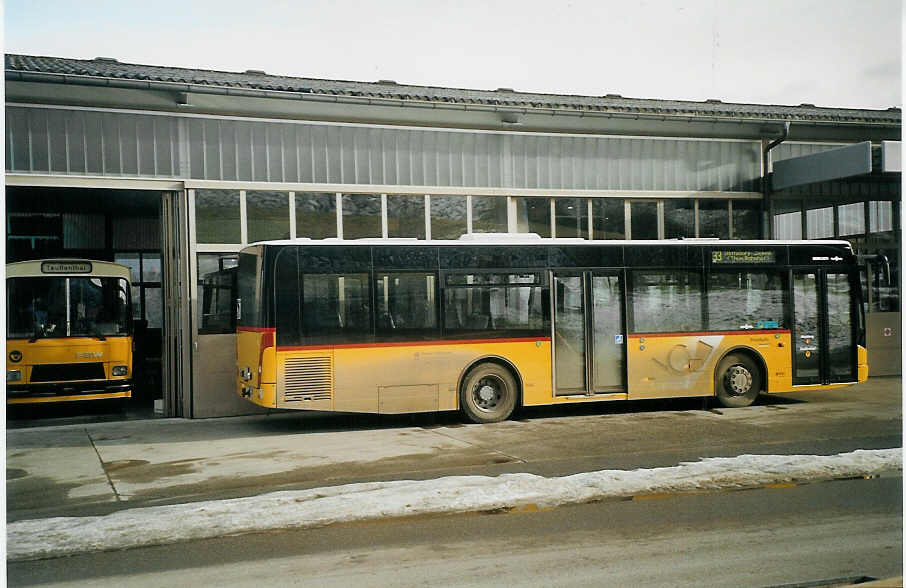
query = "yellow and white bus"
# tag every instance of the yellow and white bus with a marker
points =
(485, 326)
(68, 331)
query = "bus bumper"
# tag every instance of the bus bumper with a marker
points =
(68, 391)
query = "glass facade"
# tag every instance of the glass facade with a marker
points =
(406, 216)
(449, 218)
(679, 218)
(643, 220)
(489, 214)
(217, 216)
(316, 215)
(713, 219)
(570, 218)
(608, 218)
(267, 215)
(361, 216)
(533, 215)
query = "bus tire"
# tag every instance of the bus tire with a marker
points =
(737, 381)
(488, 393)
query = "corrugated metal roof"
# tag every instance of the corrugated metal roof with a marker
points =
(115, 73)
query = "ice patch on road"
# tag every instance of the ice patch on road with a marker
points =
(54, 537)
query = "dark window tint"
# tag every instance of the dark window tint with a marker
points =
(569, 217)
(666, 302)
(608, 218)
(217, 293)
(746, 219)
(714, 219)
(746, 300)
(249, 287)
(840, 328)
(287, 319)
(67, 307)
(643, 220)
(479, 279)
(406, 304)
(336, 307)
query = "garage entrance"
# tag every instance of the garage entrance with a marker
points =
(122, 226)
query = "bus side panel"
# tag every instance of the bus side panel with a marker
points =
(663, 366)
(393, 379)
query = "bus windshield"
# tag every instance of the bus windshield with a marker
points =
(67, 307)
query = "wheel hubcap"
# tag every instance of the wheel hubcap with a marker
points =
(738, 380)
(487, 393)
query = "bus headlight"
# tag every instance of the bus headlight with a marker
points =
(120, 370)
(13, 375)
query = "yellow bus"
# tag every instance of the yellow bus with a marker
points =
(68, 331)
(492, 323)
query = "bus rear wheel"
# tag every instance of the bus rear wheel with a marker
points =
(488, 394)
(737, 381)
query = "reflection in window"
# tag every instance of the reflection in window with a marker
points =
(494, 310)
(217, 218)
(569, 216)
(819, 222)
(489, 214)
(714, 218)
(267, 215)
(405, 216)
(851, 218)
(406, 303)
(840, 329)
(679, 218)
(448, 217)
(533, 215)
(361, 216)
(666, 302)
(336, 306)
(746, 219)
(745, 300)
(608, 218)
(316, 215)
(643, 220)
(880, 214)
(788, 225)
(66, 307)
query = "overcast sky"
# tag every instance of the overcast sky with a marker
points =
(843, 53)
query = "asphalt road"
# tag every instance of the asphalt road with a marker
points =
(767, 537)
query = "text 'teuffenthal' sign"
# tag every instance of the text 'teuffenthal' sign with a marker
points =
(736, 256)
(66, 267)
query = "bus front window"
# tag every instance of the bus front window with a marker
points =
(40, 307)
(97, 307)
(36, 307)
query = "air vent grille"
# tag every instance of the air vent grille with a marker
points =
(308, 378)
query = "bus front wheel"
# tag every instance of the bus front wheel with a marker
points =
(488, 394)
(738, 381)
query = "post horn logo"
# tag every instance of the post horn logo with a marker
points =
(15, 356)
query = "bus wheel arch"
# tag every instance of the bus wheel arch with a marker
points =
(740, 376)
(489, 390)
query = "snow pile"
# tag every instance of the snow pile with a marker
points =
(35, 539)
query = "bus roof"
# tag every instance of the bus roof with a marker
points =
(498, 239)
(66, 267)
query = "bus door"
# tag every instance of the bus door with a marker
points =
(589, 343)
(823, 328)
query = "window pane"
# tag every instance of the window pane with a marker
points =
(839, 329)
(666, 302)
(406, 216)
(336, 307)
(36, 306)
(154, 308)
(489, 214)
(287, 303)
(130, 260)
(494, 311)
(216, 293)
(217, 216)
(361, 216)
(406, 303)
(746, 300)
(819, 222)
(851, 218)
(746, 219)
(787, 219)
(151, 267)
(267, 215)
(643, 219)
(316, 215)
(608, 218)
(533, 215)
(679, 218)
(880, 216)
(714, 219)
(448, 217)
(569, 217)
(98, 306)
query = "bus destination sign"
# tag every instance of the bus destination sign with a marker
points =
(737, 256)
(66, 267)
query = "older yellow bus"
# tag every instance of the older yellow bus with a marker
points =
(68, 331)
(489, 325)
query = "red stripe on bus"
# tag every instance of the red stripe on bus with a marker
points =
(704, 333)
(256, 329)
(410, 343)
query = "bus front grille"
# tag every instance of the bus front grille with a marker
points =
(67, 372)
(308, 378)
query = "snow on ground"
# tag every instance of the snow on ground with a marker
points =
(54, 537)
